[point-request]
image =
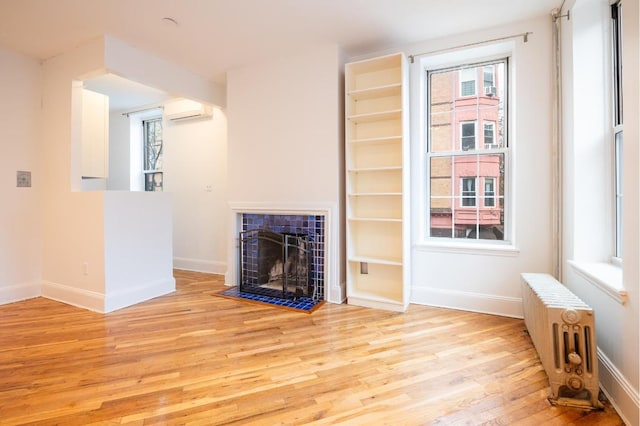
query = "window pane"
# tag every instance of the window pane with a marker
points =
(448, 109)
(618, 179)
(454, 208)
(466, 191)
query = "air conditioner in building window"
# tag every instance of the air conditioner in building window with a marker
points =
(185, 109)
(490, 91)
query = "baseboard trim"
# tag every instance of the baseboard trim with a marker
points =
(199, 265)
(18, 292)
(81, 298)
(137, 293)
(620, 393)
(467, 301)
(101, 303)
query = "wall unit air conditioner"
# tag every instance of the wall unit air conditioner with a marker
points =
(490, 91)
(185, 109)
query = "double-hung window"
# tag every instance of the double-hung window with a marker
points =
(152, 143)
(616, 32)
(467, 175)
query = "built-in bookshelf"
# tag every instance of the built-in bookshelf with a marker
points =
(377, 183)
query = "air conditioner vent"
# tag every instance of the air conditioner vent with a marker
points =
(185, 109)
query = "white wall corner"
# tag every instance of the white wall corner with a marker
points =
(18, 292)
(467, 301)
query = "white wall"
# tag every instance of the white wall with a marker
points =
(138, 247)
(20, 131)
(588, 188)
(83, 239)
(195, 173)
(119, 154)
(488, 279)
(285, 137)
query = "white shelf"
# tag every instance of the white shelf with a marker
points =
(375, 169)
(376, 260)
(376, 92)
(377, 140)
(375, 194)
(374, 219)
(376, 157)
(376, 116)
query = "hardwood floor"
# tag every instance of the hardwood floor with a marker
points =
(193, 358)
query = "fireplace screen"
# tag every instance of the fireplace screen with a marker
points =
(275, 264)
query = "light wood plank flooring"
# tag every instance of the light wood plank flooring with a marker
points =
(193, 358)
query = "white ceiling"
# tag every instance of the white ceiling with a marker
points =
(213, 36)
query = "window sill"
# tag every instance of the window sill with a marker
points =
(467, 248)
(606, 276)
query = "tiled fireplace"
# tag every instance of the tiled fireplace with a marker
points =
(314, 223)
(310, 229)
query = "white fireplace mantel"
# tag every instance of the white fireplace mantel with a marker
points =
(335, 289)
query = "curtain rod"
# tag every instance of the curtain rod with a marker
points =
(525, 37)
(128, 113)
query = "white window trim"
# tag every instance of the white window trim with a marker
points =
(419, 169)
(605, 276)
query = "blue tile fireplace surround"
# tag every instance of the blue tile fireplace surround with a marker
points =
(307, 228)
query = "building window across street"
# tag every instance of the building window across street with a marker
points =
(467, 167)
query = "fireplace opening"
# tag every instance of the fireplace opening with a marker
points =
(276, 264)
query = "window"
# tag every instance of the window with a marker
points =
(468, 192)
(457, 172)
(489, 132)
(152, 140)
(488, 81)
(616, 32)
(489, 192)
(468, 135)
(468, 82)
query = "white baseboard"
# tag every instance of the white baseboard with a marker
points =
(101, 303)
(620, 393)
(78, 297)
(467, 301)
(200, 265)
(18, 292)
(137, 293)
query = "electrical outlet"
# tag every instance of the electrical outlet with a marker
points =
(85, 268)
(364, 268)
(23, 179)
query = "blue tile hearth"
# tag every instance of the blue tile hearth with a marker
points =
(304, 304)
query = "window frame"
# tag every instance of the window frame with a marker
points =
(617, 127)
(146, 172)
(508, 242)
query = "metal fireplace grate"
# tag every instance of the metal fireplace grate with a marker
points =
(276, 264)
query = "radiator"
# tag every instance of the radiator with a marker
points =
(562, 328)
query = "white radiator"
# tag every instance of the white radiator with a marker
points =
(562, 328)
